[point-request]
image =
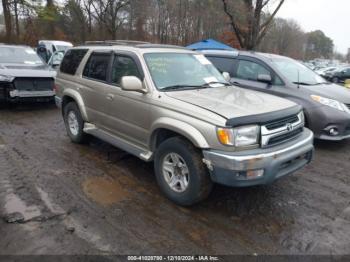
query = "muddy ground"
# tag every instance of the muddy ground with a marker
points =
(61, 198)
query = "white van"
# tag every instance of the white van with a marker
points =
(53, 45)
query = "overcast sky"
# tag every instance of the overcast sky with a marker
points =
(332, 17)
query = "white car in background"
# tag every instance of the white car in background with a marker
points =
(53, 45)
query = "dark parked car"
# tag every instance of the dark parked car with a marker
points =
(338, 76)
(24, 76)
(326, 105)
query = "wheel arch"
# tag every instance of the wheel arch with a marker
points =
(73, 96)
(165, 128)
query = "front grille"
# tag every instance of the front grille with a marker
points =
(34, 84)
(284, 137)
(281, 130)
(282, 122)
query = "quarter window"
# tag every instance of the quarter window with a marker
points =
(71, 60)
(124, 66)
(97, 66)
(249, 70)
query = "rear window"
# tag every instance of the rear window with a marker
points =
(71, 60)
(97, 66)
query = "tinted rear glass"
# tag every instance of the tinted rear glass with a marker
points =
(71, 60)
(97, 66)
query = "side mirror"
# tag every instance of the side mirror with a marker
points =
(132, 83)
(265, 78)
(226, 76)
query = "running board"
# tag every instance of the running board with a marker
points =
(117, 142)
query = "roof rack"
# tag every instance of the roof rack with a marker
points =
(116, 42)
(149, 45)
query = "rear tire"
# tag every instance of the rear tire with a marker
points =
(74, 123)
(185, 180)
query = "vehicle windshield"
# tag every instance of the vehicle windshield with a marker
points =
(19, 55)
(296, 72)
(61, 47)
(181, 70)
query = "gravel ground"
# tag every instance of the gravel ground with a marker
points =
(61, 198)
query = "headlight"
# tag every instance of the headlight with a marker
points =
(330, 102)
(4, 78)
(239, 136)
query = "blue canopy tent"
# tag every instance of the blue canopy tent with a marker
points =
(209, 44)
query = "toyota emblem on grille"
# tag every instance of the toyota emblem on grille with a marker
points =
(289, 127)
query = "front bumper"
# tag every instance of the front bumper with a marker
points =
(29, 94)
(321, 119)
(227, 167)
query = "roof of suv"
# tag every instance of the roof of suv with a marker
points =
(127, 45)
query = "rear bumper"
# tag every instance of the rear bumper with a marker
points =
(231, 168)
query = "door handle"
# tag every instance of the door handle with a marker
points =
(110, 96)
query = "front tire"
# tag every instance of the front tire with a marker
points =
(74, 123)
(181, 173)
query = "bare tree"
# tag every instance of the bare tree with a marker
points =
(8, 19)
(109, 15)
(249, 21)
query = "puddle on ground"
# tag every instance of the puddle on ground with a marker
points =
(104, 191)
(15, 205)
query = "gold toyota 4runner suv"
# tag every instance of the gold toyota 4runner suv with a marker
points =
(170, 105)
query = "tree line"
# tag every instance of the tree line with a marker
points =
(243, 24)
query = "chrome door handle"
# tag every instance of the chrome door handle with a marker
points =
(110, 96)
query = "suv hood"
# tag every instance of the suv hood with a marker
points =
(23, 70)
(332, 91)
(232, 101)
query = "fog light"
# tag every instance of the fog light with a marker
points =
(250, 174)
(333, 132)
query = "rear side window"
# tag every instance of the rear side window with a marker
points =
(71, 60)
(223, 64)
(124, 66)
(97, 66)
(250, 70)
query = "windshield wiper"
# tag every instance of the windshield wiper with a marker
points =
(182, 87)
(302, 83)
(188, 87)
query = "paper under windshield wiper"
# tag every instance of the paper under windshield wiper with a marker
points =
(216, 82)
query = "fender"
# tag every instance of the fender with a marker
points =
(78, 99)
(180, 127)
